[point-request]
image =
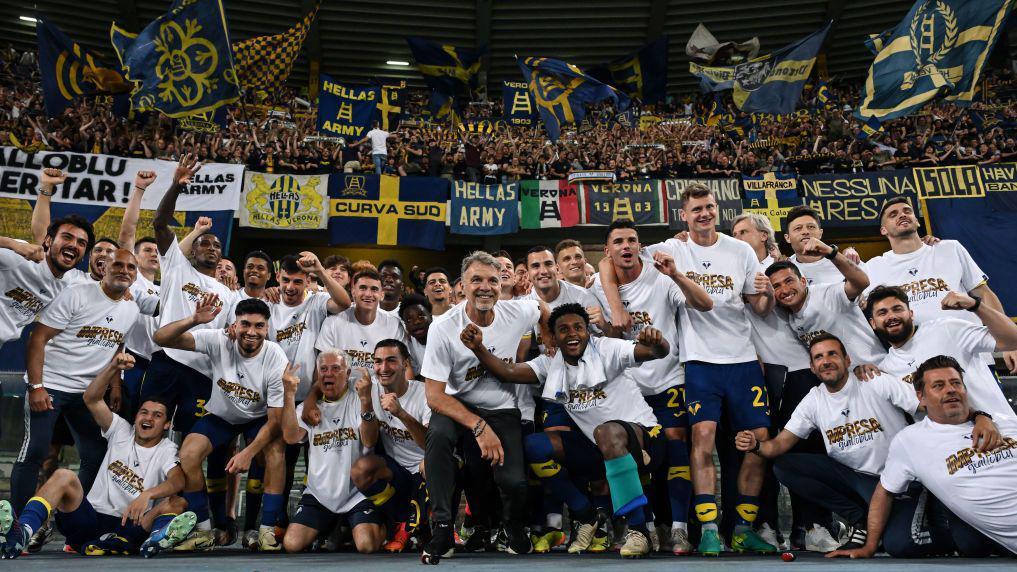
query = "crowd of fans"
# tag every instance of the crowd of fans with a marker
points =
(692, 136)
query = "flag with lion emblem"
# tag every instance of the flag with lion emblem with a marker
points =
(287, 202)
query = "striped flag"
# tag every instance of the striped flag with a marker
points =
(548, 204)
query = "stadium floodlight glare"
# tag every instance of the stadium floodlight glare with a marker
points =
(397, 63)
(28, 19)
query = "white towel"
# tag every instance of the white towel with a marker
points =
(590, 374)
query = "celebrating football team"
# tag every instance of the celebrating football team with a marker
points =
(555, 407)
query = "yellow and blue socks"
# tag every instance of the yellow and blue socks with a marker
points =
(253, 492)
(35, 514)
(271, 506)
(679, 483)
(747, 508)
(197, 502)
(216, 484)
(706, 511)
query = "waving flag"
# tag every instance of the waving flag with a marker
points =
(446, 69)
(642, 75)
(68, 70)
(561, 90)
(181, 63)
(265, 62)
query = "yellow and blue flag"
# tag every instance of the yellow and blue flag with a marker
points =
(69, 71)
(768, 84)
(447, 69)
(641, 75)
(938, 49)
(182, 62)
(443, 108)
(390, 106)
(561, 90)
(387, 211)
(264, 63)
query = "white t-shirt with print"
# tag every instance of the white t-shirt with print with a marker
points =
(243, 388)
(181, 290)
(858, 422)
(726, 271)
(295, 329)
(26, 288)
(345, 332)
(827, 309)
(961, 340)
(977, 487)
(128, 469)
(139, 339)
(333, 446)
(652, 300)
(618, 398)
(822, 271)
(398, 442)
(92, 328)
(447, 360)
(928, 275)
(773, 338)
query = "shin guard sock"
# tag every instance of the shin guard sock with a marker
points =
(253, 492)
(216, 484)
(197, 502)
(35, 513)
(161, 521)
(706, 510)
(748, 508)
(626, 488)
(539, 453)
(272, 505)
(679, 483)
(379, 493)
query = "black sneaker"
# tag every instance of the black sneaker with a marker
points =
(797, 539)
(479, 540)
(856, 538)
(441, 545)
(518, 540)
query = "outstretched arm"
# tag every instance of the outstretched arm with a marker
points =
(174, 334)
(97, 389)
(49, 179)
(164, 214)
(129, 225)
(340, 297)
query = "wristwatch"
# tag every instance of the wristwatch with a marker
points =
(833, 252)
(368, 416)
(978, 303)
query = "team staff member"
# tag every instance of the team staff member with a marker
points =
(334, 445)
(135, 491)
(77, 334)
(928, 273)
(616, 425)
(398, 414)
(246, 400)
(721, 369)
(972, 477)
(910, 344)
(464, 396)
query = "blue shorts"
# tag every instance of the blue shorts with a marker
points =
(312, 514)
(406, 485)
(554, 415)
(669, 407)
(584, 460)
(186, 389)
(738, 388)
(84, 525)
(220, 432)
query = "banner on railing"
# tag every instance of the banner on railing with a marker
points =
(484, 209)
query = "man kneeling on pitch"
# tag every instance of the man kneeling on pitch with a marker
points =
(116, 516)
(620, 435)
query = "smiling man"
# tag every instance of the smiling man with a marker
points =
(415, 312)
(75, 338)
(391, 273)
(438, 290)
(571, 260)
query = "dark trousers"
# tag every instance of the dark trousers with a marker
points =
(132, 387)
(445, 437)
(186, 389)
(786, 389)
(38, 436)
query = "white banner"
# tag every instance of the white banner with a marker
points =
(288, 202)
(106, 180)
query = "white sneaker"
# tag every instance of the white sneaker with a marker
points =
(818, 539)
(636, 544)
(250, 540)
(267, 542)
(768, 535)
(680, 545)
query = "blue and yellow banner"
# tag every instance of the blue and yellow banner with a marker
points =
(387, 211)
(855, 199)
(69, 71)
(264, 62)
(345, 111)
(447, 69)
(641, 202)
(938, 50)
(518, 105)
(390, 106)
(561, 91)
(768, 84)
(484, 209)
(641, 75)
(182, 62)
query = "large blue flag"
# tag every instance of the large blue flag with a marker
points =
(768, 84)
(641, 75)
(938, 49)
(561, 90)
(447, 69)
(387, 211)
(69, 71)
(181, 63)
(345, 111)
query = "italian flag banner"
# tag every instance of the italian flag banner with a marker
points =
(548, 204)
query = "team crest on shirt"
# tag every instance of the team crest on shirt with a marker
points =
(913, 271)
(694, 407)
(845, 412)
(109, 319)
(363, 343)
(706, 264)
